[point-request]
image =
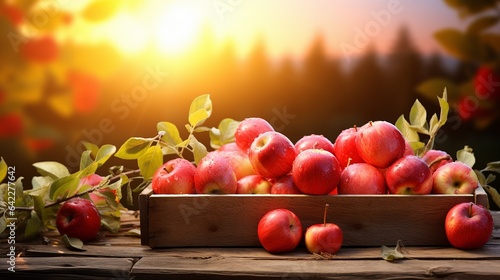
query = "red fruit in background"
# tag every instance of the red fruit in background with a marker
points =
(316, 172)
(409, 175)
(79, 218)
(272, 154)
(38, 145)
(314, 141)
(11, 125)
(248, 129)
(284, 185)
(86, 89)
(437, 158)
(487, 83)
(468, 226)
(279, 231)
(345, 147)
(361, 178)
(42, 50)
(12, 13)
(380, 143)
(469, 107)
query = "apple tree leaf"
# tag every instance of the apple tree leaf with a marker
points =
(150, 161)
(199, 150)
(224, 133)
(3, 223)
(92, 147)
(466, 156)
(418, 114)
(73, 243)
(200, 110)
(445, 108)
(493, 194)
(62, 187)
(392, 254)
(408, 132)
(41, 181)
(134, 148)
(104, 153)
(53, 169)
(85, 159)
(171, 137)
(493, 167)
(3, 169)
(33, 226)
(133, 232)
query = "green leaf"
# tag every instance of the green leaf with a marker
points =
(199, 150)
(3, 223)
(62, 187)
(41, 181)
(445, 108)
(53, 169)
(493, 194)
(171, 137)
(85, 159)
(224, 134)
(104, 153)
(493, 167)
(434, 124)
(133, 232)
(390, 254)
(93, 148)
(466, 156)
(418, 114)
(200, 110)
(73, 243)
(482, 23)
(33, 226)
(418, 147)
(3, 170)
(150, 161)
(408, 133)
(433, 87)
(134, 148)
(39, 202)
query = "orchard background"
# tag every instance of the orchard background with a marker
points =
(104, 71)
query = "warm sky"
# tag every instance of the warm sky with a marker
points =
(286, 26)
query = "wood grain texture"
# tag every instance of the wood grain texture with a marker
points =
(231, 220)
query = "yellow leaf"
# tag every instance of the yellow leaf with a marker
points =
(100, 10)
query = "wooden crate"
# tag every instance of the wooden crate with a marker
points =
(231, 220)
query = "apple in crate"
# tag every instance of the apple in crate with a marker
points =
(279, 231)
(215, 174)
(176, 176)
(272, 154)
(436, 159)
(380, 144)
(316, 172)
(468, 226)
(409, 175)
(324, 238)
(454, 178)
(361, 178)
(78, 217)
(345, 147)
(240, 161)
(284, 185)
(253, 184)
(248, 129)
(313, 141)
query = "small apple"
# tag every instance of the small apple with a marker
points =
(362, 178)
(316, 172)
(436, 159)
(380, 144)
(284, 185)
(313, 141)
(215, 175)
(324, 238)
(345, 147)
(78, 217)
(279, 231)
(253, 184)
(248, 129)
(98, 197)
(454, 178)
(468, 226)
(272, 154)
(409, 175)
(176, 176)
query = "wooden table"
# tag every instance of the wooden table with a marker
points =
(122, 257)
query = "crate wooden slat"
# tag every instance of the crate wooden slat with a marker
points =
(231, 220)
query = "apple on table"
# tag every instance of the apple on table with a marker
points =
(279, 231)
(325, 237)
(79, 218)
(468, 226)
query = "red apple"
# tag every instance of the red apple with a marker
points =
(272, 154)
(409, 175)
(486, 83)
(248, 129)
(316, 172)
(284, 185)
(176, 176)
(215, 174)
(313, 141)
(345, 147)
(98, 197)
(436, 159)
(468, 226)
(229, 147)
(362, 178)
(253, 184)
(380, 144)
(454, 178)
(241, 163)
(324, 238)
(78, 218)
(279, 231)
(408, 149)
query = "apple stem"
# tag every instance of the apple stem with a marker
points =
(446, 157)
(324, 215)
(349, 162)
(470, 209)
(355, 128)
(371, 123)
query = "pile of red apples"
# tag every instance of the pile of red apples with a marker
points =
(371, 159)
